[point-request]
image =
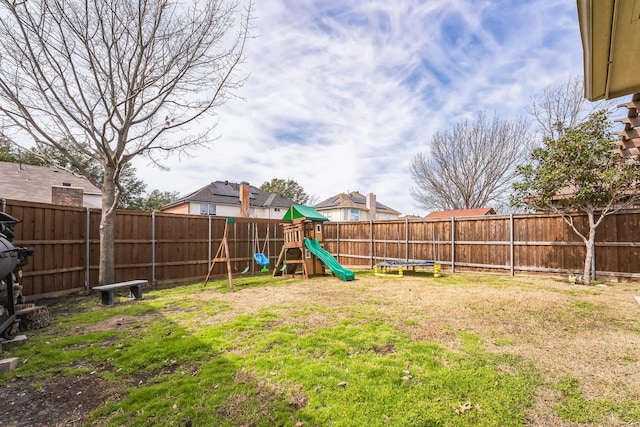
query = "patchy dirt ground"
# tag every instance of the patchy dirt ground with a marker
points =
(592, 334)
(62, 401)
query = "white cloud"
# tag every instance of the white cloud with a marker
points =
(343, 94)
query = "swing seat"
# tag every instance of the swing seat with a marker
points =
(245, 270)
(261, 259)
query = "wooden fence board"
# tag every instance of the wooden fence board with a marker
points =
(541, 244)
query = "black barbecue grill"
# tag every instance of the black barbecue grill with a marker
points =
(11, 259)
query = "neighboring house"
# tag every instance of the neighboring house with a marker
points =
(355, 207)
(44, 184)
(229, 199)
(461, 212)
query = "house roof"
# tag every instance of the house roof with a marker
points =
(410, 217)
(228, 193)
(33, 183)
(461, 212)
(300, 211)
(351, 200)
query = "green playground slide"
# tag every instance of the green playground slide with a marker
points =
(314, 246)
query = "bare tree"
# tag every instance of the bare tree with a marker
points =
(472, 166)
(562, 106)
(116, 79)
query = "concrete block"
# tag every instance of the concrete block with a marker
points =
(16, 341)
(9, 364)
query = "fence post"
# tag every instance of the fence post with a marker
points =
(453, 244)
(593, 262)
(406, 235)
(87, 250)
(338, 241)
(371, 244)
(511, 245)
(209, 246)
(4, 204)
(153, 248)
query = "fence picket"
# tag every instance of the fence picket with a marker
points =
(166, 247)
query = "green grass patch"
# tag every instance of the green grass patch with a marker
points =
(585, 309)
(575, 408)
(173, 359)
(246, 282)
(364, 373)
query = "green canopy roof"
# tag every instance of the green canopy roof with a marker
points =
(300, 211)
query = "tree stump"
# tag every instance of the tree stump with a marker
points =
(33, 317)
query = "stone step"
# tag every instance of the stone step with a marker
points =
(9, 364)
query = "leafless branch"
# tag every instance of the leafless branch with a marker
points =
(117, 79)
(471, 166)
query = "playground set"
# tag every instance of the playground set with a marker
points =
(302, 254)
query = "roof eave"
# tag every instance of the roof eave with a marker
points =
(610, 33)
(586, 34)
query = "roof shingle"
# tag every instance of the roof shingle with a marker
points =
(33, 183)
(353, 199)
(228, 193)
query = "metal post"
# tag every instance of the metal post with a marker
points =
(209, 248)
(453, 244)
(371, 244)
(593, 262)
(4, 205)
(433, 243)
(254, 234)
(338, 240)
(406, 235)
(511, 245)
(87, 250)
(153, 249)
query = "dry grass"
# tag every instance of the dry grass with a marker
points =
(589, 333)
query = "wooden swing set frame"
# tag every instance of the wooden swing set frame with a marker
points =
(223, 255)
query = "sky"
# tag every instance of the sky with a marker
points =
(342, 94)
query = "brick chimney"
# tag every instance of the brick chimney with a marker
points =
(66, 195)
(245, 199)
(371, 205)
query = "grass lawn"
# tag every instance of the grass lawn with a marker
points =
(460, 350)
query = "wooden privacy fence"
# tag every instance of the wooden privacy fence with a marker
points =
(508, 243)
(176, 248)
(152, 246)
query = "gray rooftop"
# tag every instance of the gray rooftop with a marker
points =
(351, 200)
(228, 193)
(33, 183)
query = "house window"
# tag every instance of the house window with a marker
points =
(207, 209)
(355, 215)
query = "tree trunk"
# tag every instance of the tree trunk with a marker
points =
(107, 274)
(590, 245)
